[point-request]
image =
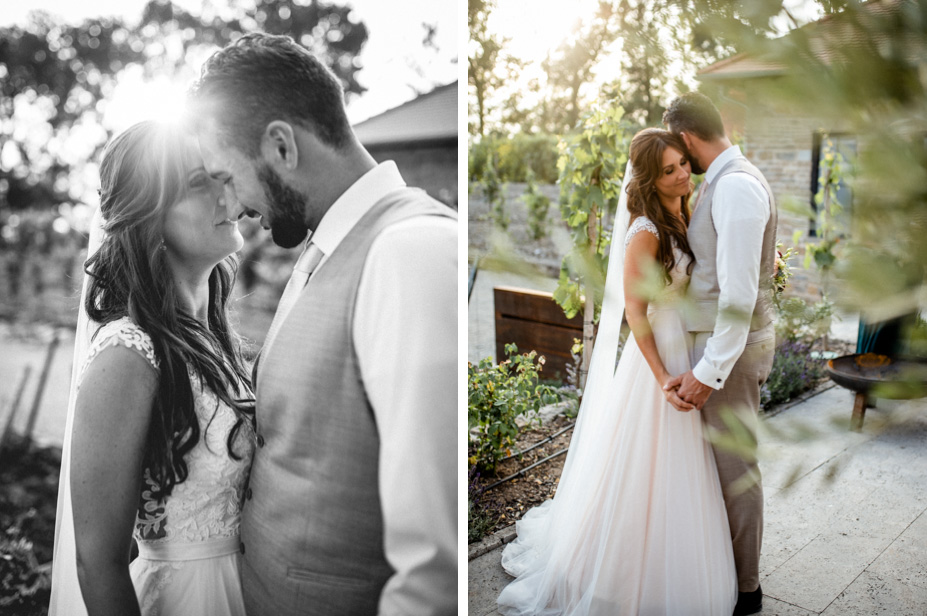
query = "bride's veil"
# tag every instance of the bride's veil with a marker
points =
(587, 458)
(605, 351)
(66, 598)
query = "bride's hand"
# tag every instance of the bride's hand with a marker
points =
(672, 396)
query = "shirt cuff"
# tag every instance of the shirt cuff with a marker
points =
(706, 375)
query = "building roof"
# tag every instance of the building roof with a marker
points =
(825, 40)
(429, 117)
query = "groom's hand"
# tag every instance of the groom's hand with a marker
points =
(689, 389)
(669, 392)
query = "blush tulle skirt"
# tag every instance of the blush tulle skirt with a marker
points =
(638, 524)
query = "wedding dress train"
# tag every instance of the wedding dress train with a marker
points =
(638, 524)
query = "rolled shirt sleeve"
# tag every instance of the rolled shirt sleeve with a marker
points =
(405, 333)
(740, 211)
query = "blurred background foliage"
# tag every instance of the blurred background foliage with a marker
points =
(57, 104)
(857, 66)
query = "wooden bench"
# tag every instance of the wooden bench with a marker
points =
(535, 322)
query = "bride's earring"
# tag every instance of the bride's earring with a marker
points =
(162, 245)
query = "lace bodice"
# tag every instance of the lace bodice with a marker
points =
(673, 292)
(207, 505)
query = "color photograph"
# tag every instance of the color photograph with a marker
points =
(696, 307)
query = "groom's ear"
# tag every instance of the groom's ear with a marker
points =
(686, 139)
(278, 145)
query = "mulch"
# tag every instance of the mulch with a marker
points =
(516, 496)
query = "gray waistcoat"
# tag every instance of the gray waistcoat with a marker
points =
(703, 239)
(312, 526)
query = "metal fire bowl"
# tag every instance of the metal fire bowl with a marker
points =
(862, 372)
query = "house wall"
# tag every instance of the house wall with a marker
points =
(431, 167)
(779, 141)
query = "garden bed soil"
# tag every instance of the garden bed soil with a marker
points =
(516, 496)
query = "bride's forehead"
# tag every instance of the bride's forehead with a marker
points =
(189, 152)
(671, 155)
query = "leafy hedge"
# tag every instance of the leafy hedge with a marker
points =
(514, 156)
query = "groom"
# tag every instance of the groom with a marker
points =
(351, 507)
(732, 234)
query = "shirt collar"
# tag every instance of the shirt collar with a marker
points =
(718, 163)
(353, 203)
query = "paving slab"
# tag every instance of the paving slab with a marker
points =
(485, 580)
(872, 594)
(903, 560)
(821, 570)
(774, 607)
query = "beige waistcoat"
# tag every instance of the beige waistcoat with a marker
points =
(312, 526)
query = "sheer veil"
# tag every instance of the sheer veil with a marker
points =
(591, 435)
(66, 598)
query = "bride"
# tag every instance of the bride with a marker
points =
(638, 524)
(159, 436)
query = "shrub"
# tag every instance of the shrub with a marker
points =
(514, 156)
(793, 372)
(25, 587)
(494, 191)
(482, 513)
(538, 205)
(798, 321)
(537, 152)
(496, 396)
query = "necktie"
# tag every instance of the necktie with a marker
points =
(307, 262)
(703, 187)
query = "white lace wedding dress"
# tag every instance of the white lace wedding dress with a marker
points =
(188, 544)
(638, 525)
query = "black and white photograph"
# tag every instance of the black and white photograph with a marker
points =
(229, 308)
(696, 307)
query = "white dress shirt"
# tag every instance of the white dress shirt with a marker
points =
(405, 335)
(740, 211)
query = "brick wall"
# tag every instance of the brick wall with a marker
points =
(779, 141)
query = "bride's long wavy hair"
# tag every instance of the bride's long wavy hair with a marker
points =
(142, 174)
(647, 149)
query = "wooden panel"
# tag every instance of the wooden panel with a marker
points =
(532, 305)
(551, 341)
(534, 322)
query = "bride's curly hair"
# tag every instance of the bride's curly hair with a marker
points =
(647, 149)
(142, 174)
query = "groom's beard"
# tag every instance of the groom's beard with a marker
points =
(697, 169)
(287, 221)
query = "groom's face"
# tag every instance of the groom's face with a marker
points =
(691, 152)
(253, 188)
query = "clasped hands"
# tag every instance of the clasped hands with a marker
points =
(685, 392)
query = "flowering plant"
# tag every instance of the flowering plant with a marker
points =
(783, 271)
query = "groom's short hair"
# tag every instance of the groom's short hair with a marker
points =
(261, 78)
(694, 113)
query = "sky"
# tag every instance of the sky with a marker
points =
(395, 63)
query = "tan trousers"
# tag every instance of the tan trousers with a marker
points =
(741, 484)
